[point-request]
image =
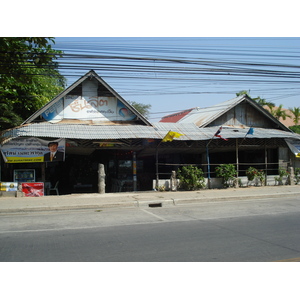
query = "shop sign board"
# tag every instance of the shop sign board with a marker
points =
(33, 150)
(33, 189)
(97, 109)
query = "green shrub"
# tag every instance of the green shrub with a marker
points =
(191, 178)
(282, 173)
(228, 173)
(261, 177)
(252, 173)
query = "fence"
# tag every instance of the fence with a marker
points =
(268, 169)
(271, 171)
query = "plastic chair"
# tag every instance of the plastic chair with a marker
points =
(55, 188)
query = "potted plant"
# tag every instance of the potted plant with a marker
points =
(228, 173)
(282, 173)
(191, 178)
(253, 174)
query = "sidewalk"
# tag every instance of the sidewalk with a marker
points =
(141, 199)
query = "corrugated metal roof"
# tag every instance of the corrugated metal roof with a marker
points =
(158, 131)
(204, 116)
(82, 131)
(173, 118)
(190, 131)
(260, 133)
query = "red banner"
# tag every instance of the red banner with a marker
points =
(33, 189)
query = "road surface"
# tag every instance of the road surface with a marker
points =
(261, 230)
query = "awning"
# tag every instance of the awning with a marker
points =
(294, 146)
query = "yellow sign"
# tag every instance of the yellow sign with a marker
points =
(106, 145)
(11, 159)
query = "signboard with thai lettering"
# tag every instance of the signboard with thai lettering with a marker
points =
(32, 150)
(98, 109)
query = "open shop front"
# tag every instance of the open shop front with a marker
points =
(77, 171)
(136, 168)
(124, 171)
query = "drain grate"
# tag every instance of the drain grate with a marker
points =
(155, 205)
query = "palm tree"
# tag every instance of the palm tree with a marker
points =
(296, 114)
(244, 92)
(260, 101)
(264, 102)
(278, 113)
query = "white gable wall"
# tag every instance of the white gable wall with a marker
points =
(89, 88)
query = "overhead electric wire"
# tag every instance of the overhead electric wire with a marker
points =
(154, 66)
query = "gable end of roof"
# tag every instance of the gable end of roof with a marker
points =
(90, 74)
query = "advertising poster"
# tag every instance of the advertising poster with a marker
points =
(8, 186)
(33, 150)
(98, 109)
(33, 189)
(25, 175)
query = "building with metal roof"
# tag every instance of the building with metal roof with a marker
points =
(92, 124)
(241, 111)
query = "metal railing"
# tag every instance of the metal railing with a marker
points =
(267, 168)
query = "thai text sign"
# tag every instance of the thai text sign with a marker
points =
(32, 150)
(98, 109)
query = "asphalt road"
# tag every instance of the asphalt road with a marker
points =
(261, 230)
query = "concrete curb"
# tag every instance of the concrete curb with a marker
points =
(139, 200)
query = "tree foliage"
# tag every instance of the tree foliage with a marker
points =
(143, 109)
(296, 114)
(295, 128)
(259, 100)
(28, 77)
(279, 112)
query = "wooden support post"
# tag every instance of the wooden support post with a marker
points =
(101, 179)
(156, 163)
(236, 184)
(134, 171)
(43, 171)
(266, 164)
(208, 167)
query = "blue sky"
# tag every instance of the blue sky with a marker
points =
(219, 31)
(174, 73)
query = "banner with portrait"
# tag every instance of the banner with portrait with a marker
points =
(33, 150)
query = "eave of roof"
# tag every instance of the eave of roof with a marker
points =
(190, 132)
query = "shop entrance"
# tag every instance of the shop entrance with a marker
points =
(79, 174)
